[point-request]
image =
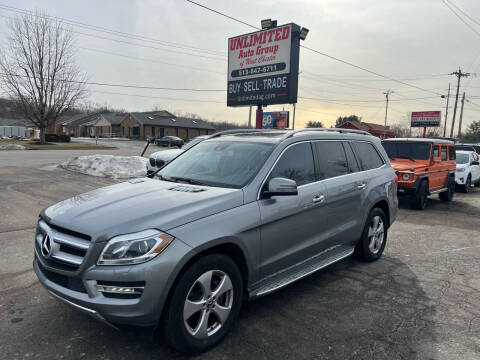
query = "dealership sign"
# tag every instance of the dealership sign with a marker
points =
(263, 67)
(426, 118)
(275, 120)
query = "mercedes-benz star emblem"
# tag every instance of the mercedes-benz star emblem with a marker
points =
(46, 245)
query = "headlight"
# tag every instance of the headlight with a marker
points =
(134, 248)
(406, 177)
(461, 170)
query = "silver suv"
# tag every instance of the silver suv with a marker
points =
(237, 216)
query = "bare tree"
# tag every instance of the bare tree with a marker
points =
(39, 71)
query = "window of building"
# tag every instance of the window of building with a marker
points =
(332, 160)
(136, 131)
(296, 163)
(367, 155)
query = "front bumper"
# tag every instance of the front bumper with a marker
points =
(145, 310)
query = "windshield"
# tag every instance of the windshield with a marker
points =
(412, 151)
(218, 163)
(462, 158)
(192, 142)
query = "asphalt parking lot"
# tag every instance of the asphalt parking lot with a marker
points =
(420, 301)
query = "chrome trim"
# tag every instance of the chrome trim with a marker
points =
(67, 258)
(318, 181)
(69, 240)
(322, 266)
(438, 191)
(136, 290)
(83, 309)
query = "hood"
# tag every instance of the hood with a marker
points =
(167, 155)
(461, 166)
(407, 165)
(140, 204)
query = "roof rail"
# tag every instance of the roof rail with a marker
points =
(241, 131)
(339, 130)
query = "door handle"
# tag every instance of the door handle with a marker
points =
(319, 198)
(361, 186)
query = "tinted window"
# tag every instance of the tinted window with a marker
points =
(367, 155)
(331, 158)
(296, 163)
(409, 150)
(462, 158)
(451, 153)
(435, 151)
(219, 163)
(352, 162)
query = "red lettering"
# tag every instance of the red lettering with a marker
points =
(278, 33)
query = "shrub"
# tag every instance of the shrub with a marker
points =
(57, 138)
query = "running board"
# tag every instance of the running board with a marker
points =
(305, 271)
(438, 191)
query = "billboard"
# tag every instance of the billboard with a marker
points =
(263, 67)
(275, 120)
(426, 118)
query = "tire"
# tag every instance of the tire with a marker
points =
(190, 304)
(448, 195)
(468, 185)
(374, 237)
(418, 201)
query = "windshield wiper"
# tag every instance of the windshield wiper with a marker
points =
(161, 177)
(187, 180)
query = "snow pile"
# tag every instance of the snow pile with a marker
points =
(12, 147)
(116, 167)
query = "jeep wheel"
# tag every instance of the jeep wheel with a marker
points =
(468, 185)
(448, 194)
(204, 305)
(418, 200)
(374, 237)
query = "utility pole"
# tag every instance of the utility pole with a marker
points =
(250, 117)
(461, 116)
(459, 75)
(446, 113)
(387, 94)
(293, 125)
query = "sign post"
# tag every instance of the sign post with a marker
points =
(276, 120)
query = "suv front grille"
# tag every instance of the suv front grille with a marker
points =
(65, 249)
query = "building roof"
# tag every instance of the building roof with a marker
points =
(164, 118)
(423, 140)
(88, 119)
(366, 126)
(14, 122)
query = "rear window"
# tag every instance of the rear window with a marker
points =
(332, 159)
(408, 150)
(367, 155)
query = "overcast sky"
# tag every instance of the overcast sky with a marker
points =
(417, 41)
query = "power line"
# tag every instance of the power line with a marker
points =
(461, 19)
(111, 31)
(123, 85)
(158, 97)
(464, 13)
(322, 53)
(370, 101)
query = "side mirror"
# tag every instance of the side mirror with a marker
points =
(281, 187)
(474, 162)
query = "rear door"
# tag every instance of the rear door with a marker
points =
(291, 226)
(339, 171)
(436, 173)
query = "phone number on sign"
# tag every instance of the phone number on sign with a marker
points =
(259, 70)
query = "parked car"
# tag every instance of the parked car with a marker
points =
(239, 215)
(169, 141)
(160, 158)
(424, 167)
(468, 170)
(469, 147)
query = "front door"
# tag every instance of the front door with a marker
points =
(438, 170)
(290, 225)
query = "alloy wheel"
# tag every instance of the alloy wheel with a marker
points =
(376, 234)
(208, 304)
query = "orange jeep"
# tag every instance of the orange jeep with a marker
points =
(424, 167)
